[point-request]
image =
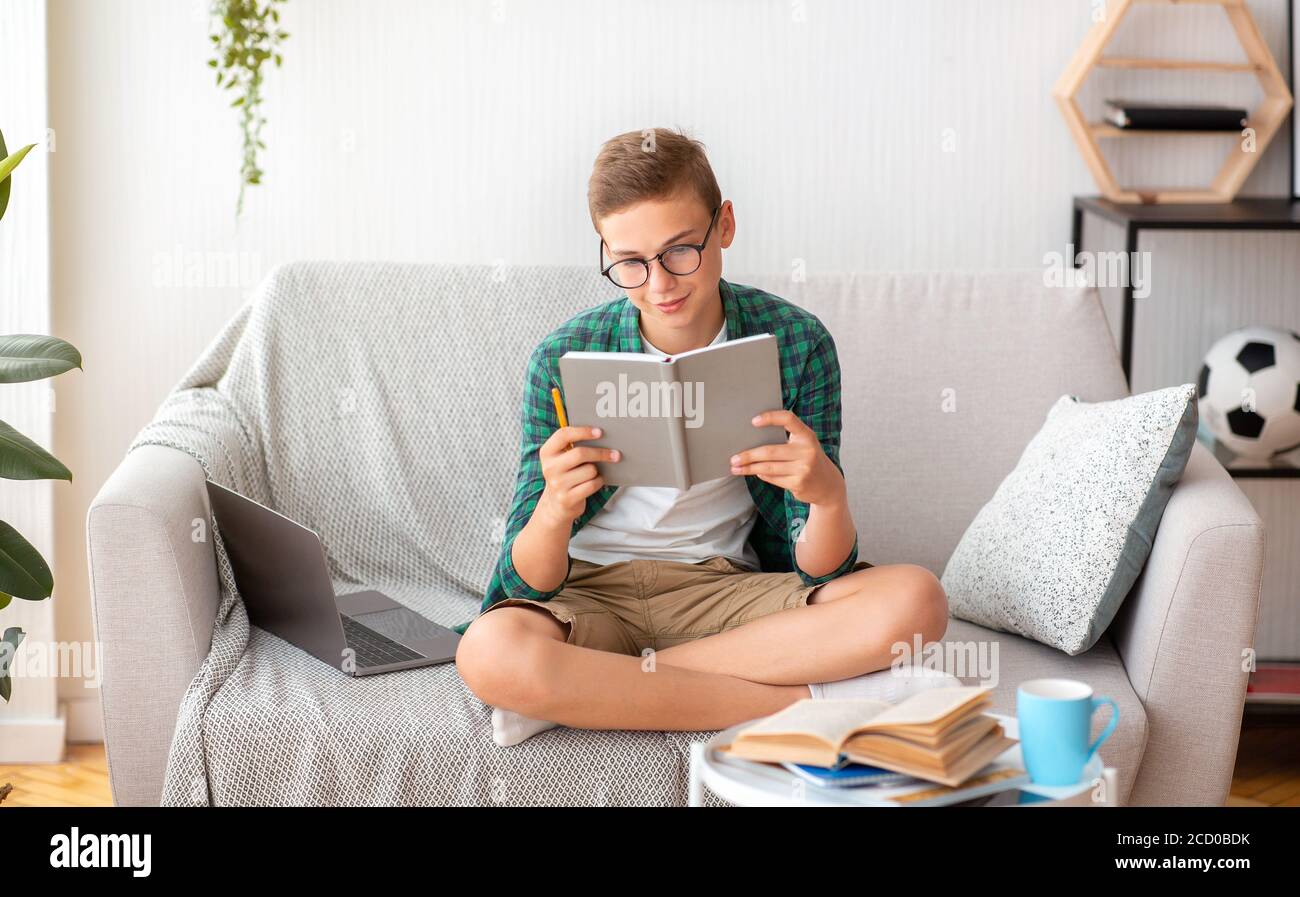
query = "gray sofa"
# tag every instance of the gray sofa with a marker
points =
(1002, 346)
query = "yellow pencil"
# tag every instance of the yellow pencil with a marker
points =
(559, 408)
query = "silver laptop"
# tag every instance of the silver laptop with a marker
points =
(282, 575)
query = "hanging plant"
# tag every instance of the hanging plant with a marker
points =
(245, 35)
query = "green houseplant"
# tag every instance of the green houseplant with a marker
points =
(24, 357)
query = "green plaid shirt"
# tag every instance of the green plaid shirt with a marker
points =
(810, 387)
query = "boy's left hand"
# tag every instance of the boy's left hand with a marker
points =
(798, 465)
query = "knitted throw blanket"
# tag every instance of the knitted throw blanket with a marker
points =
(378, 405)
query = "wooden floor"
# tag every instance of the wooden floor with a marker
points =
(1268, 762)
(80, 781)
(1267, 773)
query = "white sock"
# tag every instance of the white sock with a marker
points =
(888, 685)
(510, 728)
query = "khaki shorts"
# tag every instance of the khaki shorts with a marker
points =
(629, 606)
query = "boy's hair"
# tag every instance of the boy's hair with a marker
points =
(651, 164)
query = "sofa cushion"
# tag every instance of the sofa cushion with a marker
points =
(1055, 551)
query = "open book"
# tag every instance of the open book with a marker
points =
(676, 421)
(941, 735)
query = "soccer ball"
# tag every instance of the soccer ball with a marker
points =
(1249, 391)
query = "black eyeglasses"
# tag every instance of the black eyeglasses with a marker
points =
(682, 259)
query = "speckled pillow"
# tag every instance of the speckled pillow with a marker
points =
(1058, 547)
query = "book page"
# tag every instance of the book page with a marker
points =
(731, 382)
(726, 342)
(627, 397)
(829, 719)
(927, 706)
(620, 356)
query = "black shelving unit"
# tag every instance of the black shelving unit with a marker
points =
(1268, 215)
(1241, 214)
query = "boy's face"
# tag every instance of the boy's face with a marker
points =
(682, 304)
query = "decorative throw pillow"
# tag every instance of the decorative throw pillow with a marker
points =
(1058, 547)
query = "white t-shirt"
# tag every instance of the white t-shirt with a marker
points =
(664, 523)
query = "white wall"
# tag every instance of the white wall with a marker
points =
(465, 131)
(31, 728)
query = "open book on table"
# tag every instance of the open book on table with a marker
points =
(941, 735)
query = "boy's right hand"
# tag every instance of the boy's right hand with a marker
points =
(570, 473)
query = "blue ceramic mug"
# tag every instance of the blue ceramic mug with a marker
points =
(1055, 717)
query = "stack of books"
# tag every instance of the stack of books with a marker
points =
(941, 735)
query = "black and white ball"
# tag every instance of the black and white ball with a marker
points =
(1249, 391)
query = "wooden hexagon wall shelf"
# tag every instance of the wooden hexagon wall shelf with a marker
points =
(1265, 120)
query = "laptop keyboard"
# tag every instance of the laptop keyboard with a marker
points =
(372, 648)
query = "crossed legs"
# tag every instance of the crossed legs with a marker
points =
(517, 658)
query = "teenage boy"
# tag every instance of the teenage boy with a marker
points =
(657, 608)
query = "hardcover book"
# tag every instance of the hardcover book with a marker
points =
(677, 420)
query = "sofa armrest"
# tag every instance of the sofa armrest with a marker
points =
(154, 598)
(1184, 634)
